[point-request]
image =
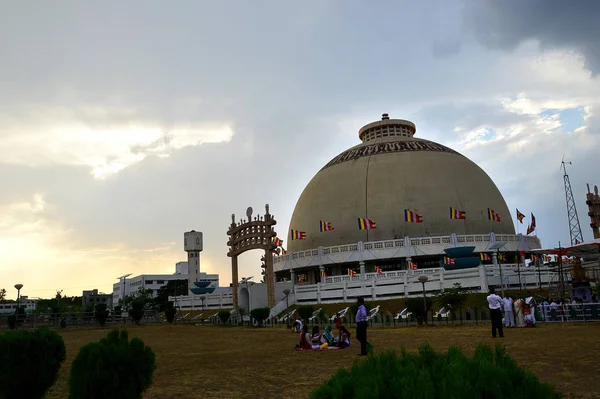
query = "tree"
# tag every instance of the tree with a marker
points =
(172, 288)
(101, 314)
(170, 312)
(141, 295)
(2, 294)
(415, 306)
(260, 314)
(137, 311)
(453, 298)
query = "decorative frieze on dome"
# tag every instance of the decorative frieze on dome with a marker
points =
(387, 148)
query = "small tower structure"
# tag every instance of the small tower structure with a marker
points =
(593, 203)
(192, 244)
(574, 226)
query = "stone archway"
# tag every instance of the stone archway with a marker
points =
(252, 234)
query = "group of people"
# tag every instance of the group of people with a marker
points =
(327, 340)
(517, 313)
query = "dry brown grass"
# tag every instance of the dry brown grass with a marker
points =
(225, 362)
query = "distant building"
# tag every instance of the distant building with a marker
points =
(11, 307)
(93, 298)
(181, 268)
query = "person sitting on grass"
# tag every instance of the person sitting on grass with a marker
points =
(305, 341)
(329, 338)
(344, 340)
(318, 342)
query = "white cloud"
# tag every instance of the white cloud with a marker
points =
(60, 136)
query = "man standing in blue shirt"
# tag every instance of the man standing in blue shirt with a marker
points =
(361, 326)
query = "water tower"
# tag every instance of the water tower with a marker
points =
(192, 244)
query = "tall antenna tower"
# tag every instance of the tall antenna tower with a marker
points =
(574, 226)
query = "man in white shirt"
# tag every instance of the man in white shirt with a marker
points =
(509, 315)
(495, 304)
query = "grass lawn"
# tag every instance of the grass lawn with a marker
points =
(236, 362)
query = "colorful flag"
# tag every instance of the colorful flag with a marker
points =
(325, 226)
(492, 215)
(378, 270)
(366, 224)
(283, 251)
(277, 241)
(484, 256)
(520, 216)
(323, 274)
(300, 280)
(298, 235)
(456, 214)
(351, 273)
(448, 260)
(531, 227)
(411, 265)
(412, 217)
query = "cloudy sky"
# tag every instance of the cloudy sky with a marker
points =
(124, 124)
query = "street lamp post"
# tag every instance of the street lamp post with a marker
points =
(18, 287)
(423, 279)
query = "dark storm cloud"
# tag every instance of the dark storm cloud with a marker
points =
(555, 23)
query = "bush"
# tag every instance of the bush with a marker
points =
(12, 321)
(170, 312)
(101, 314)
(137, 311)
(415, 306)
(224, 316)
(260, 314)
(30, 362)
(114, 368)
(305, 312)
(427, 374)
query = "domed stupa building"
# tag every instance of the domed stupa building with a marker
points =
(395, 202)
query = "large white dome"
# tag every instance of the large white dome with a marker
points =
(391, 171)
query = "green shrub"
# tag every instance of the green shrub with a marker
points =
(427, 374)
(170, 312)
(12, 321)
(224, 316)
(114, 368)
(305, 312)
(415, 306)
(260, 314)
(101, 314)
(137, 311)
(29, 362)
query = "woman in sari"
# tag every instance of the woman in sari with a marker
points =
(305, 341)
(328, 336)
(344, 341)
(519, 316)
